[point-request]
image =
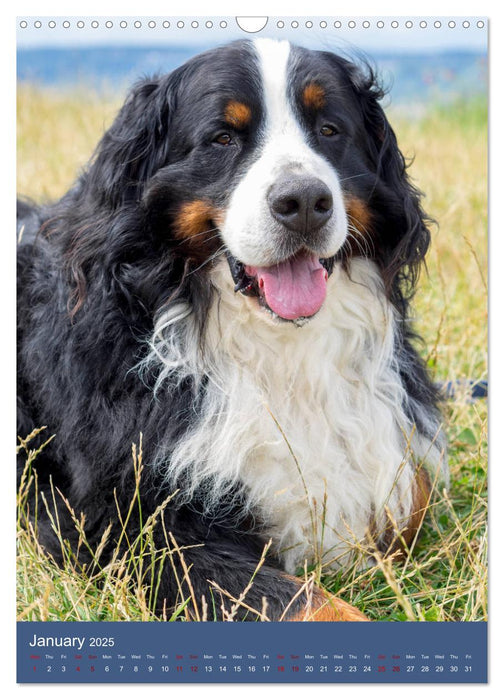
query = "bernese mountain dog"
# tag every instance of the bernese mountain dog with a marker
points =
(229, 281)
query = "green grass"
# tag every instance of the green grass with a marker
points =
(445, 578)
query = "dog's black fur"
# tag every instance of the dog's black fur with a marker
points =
(96, 267)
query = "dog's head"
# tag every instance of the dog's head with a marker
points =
(278, 158)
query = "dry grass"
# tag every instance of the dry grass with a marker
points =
(446, 579)
(56, 135)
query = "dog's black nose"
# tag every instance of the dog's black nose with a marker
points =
(301, 204)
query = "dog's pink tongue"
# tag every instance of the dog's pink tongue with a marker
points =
(295, 287)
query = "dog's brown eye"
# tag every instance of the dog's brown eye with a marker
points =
(328, 130)
(223, 139)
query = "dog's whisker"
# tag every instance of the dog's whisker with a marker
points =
(212, 257)
(352, 177)
(367, 240)
(207, 240)
(201, 233)
(362, 248)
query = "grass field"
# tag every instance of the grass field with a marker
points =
(446, 578)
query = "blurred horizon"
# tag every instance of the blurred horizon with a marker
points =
(442, 76)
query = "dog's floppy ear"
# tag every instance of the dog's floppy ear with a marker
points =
(100, 218)
(134, 147)
(404, 237)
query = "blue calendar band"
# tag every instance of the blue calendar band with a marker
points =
(219, 652)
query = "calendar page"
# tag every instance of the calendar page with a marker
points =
(252, 349)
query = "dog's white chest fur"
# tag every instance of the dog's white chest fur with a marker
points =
(309, 419)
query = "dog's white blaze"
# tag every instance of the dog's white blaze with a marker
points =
(310, 420)
(249, 230)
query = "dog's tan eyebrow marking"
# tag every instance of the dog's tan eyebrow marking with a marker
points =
(313, 96)
(237, 114)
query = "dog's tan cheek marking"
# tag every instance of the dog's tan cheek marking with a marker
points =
(195, 223)
(237, 114)
(313, 96)
(195, 218)
(358, 213)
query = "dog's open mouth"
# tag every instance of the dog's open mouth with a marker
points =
(293, 289)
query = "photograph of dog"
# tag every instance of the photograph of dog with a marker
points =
(227, 286)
